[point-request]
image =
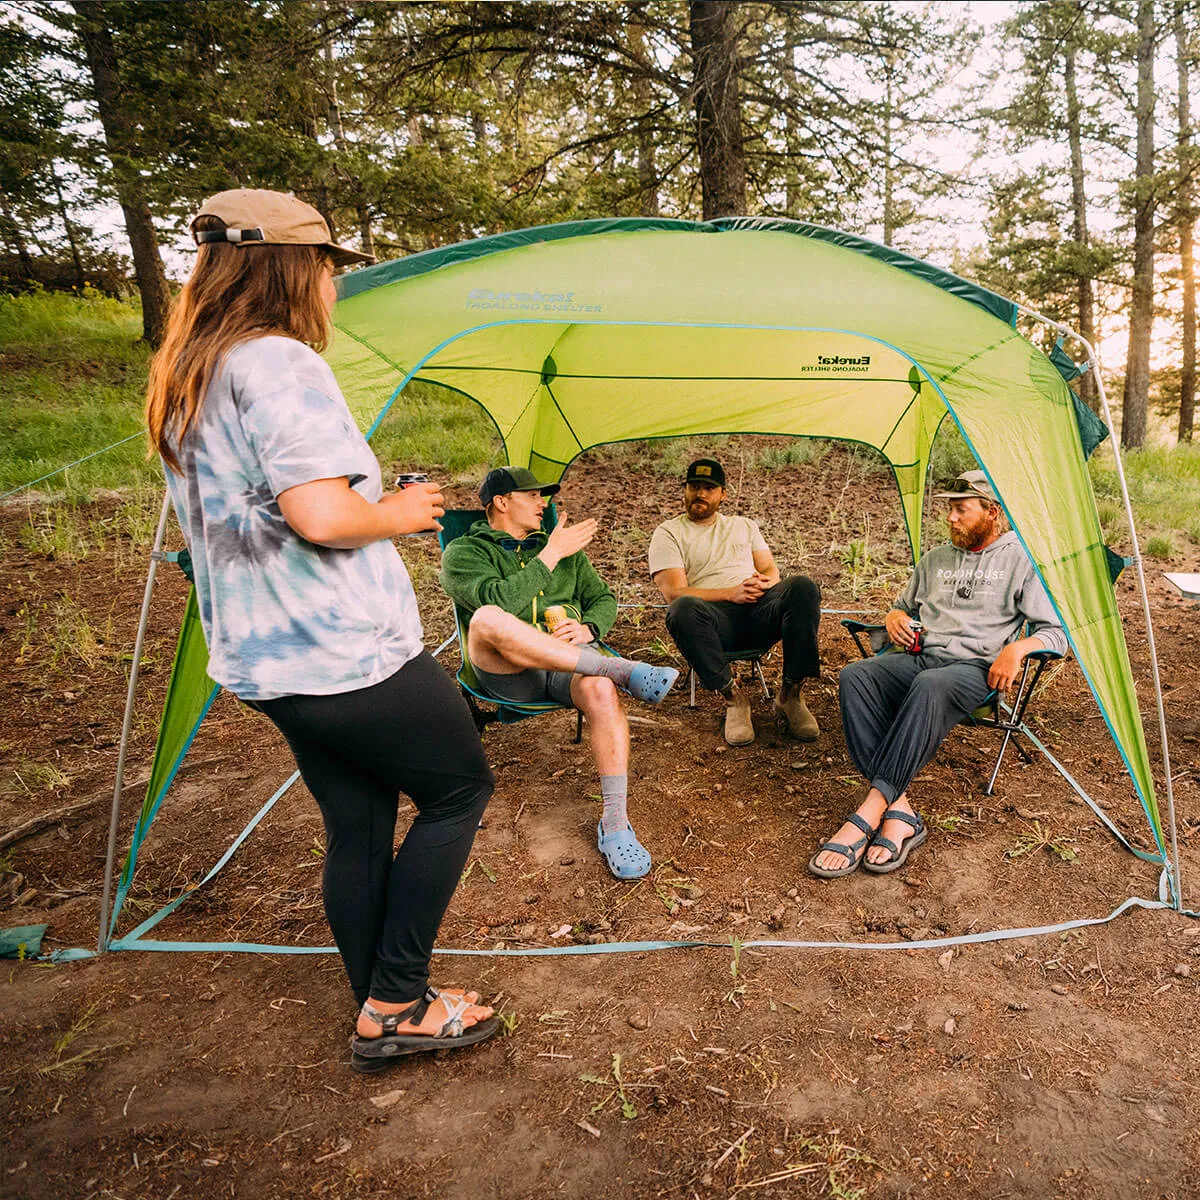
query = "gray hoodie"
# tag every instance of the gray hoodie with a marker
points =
(974, 602)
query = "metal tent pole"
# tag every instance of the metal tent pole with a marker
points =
(127, 721)
(1177, 881)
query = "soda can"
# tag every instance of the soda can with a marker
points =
(918, 632)
(411, 477)
(554, 616)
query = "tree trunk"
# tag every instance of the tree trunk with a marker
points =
(71, 239)
(1089, 391)
(16, 238)
(647, 168)
(1141, 313)
(339, 139)
(1187, 222)
(889, 181)
(713, 28)
(139, 225)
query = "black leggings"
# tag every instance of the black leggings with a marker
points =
(356, 752)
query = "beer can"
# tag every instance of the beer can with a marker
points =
(554, 616)
(918, 632)
(411, 477)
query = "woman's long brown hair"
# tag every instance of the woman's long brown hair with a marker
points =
(234, 293)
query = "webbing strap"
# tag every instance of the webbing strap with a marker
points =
(942, 943)
(166, 911)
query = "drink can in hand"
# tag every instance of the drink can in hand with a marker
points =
(918, 632)
(554, 616)
(409, 478)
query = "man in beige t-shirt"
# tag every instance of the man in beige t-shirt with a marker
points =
(724, 593)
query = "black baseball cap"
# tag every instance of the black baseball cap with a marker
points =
(706, 470)
(502, 480)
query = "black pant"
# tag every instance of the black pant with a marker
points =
(705, 629)
(897, 709)
(356, 752)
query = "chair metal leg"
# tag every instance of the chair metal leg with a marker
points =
(578, 726)
(692, 679)
(991, 787)
(756, 664)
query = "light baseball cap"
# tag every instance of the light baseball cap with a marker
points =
(256, 216)
(970, 485)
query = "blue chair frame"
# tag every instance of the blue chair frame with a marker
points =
(988, 715)
(454, 524)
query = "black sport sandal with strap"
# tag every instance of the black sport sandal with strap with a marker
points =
(373, 1054)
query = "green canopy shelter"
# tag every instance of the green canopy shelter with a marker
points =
(571, 336)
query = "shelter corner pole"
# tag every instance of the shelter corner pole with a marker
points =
(1093, 359)
(127, 721)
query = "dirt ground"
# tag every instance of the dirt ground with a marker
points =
(1061, 1065)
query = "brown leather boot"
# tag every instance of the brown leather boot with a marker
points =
(739, 728)
(793, 712)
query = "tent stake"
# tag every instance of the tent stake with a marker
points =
(127, 721)
(1173, 871)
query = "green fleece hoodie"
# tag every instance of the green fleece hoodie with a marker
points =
(478, 569)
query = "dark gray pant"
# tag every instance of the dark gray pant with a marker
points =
(789, 612)
(897, 709)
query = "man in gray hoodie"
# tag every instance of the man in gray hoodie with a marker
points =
(971, 601)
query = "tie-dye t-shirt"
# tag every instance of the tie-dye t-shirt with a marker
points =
(282, 615)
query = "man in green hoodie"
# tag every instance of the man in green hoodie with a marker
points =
(506, 571)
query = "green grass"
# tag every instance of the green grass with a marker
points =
(1164, 488)
(72, 382)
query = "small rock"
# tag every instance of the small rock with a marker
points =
(791, 791)
(578, 893)
(1017, 1006)
(717, 787)
(796, 766)
(691, 892)
(638, 1020)
(560, 932)
(945, 959)
(594, 939)
(919, 913)
(950, 1026)
(532, 899)
(1183, 969)
(1060, 989)
(527, 932)
(778, 1153)
(792, 893)
(873, 1058)
(775, 920)
(387, 1099)
(567, 860)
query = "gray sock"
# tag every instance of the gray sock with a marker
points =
(613, 789)
(592, 662)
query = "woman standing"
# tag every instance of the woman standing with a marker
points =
(308, 611)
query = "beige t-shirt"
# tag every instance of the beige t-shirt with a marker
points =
(716, 555)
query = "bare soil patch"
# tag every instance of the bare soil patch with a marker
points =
(1051, 1066)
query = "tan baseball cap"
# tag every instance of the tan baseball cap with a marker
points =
(970, 485)
(258, 216)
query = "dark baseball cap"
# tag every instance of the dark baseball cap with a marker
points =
(502, 480)
(706, 470)
(970, 485)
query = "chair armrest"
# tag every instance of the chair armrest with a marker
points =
(860, 630)
(1044, 655)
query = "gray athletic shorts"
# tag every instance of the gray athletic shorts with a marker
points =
(531, 686)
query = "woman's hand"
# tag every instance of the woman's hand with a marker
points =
(417, 507)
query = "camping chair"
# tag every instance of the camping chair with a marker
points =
(989, 715)
(753, 657)
(455, 523)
